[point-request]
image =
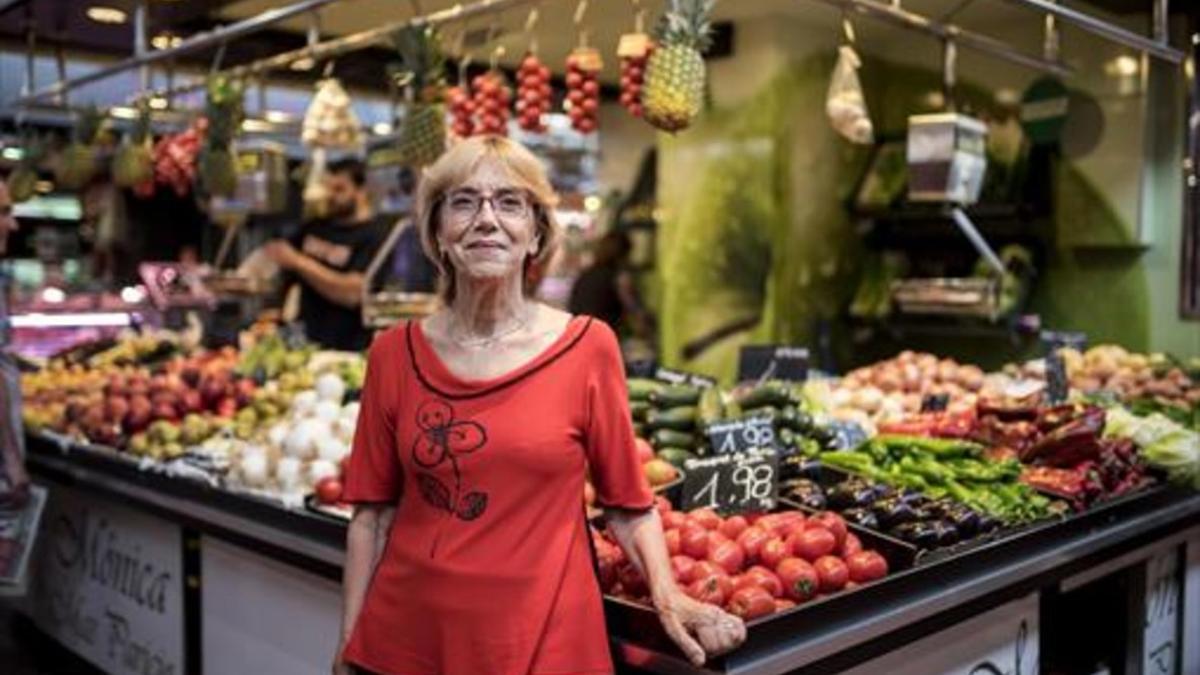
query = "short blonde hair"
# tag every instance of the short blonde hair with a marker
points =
(455, 168)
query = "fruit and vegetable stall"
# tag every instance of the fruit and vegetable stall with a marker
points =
(841, 517)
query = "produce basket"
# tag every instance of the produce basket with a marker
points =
(384, 309)
(974, 297)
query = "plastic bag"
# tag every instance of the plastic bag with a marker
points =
(844, 104)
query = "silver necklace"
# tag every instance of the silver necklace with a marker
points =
(492, 339)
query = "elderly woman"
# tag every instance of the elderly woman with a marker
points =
(469, 551)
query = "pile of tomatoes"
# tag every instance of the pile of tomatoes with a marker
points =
(462, 111)
(583, 89)
(492, 97)
(633, 72)
(751, 565)
(533, 94)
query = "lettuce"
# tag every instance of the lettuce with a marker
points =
(1164, 444)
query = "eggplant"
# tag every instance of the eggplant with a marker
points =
(965, 520)
(987, 524)
(915, 499)
(892, 512)
(861, 517)
(799, 466)
(850, 494)
(947, 534)
(805, 492)
(921, 535)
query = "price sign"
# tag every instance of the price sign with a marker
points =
(742, 435)
(935, 402)
(735, 483)
(679, 377)
(641, 368)
(1160, 641)
(775, 362)
(1057, 384)
(846, 434)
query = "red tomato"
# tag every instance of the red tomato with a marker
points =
(866, 566)
(715, 539)
(734, 526)
(832, 522)
(694, 542)
(800, 580)
(728, 556)
(706, 518)
(813, 543)
(631, 580)
(765, 579)
(783, 604)
(773, 552)
(674, 541)
(708, 589)
(329, 490)
(663, 505)
(832, 572)
(683, 567)
(673, 520)
(751, 541)
(751, 603)
(851, 546)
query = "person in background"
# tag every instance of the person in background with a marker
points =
(605, 289)
(329, 255)
(14, 481)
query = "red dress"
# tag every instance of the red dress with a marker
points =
(488, 565)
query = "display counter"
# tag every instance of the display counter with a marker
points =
(138, 568)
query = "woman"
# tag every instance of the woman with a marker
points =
(469, 551)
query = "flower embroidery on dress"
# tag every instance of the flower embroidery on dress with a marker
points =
(446, 439)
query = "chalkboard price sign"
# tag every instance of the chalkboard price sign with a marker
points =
(735, 483)
(678, 377)
(935, 402)
(775, 362)
(846, 434)
(741, 435)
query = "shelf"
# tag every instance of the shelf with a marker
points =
(1016, 328)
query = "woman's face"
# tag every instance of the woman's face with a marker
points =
(488, 226)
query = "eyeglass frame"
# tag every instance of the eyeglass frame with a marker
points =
(532, 207)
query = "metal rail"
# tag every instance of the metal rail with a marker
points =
(353, 42)
(197, 42)
(892, 13)
(1156, 46)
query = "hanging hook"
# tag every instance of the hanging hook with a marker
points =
(639, 17)
(217, 59)
(580, 11)
(329, 66)
(848, 30)
(1052, 41)
(530, 29)
(949, 70)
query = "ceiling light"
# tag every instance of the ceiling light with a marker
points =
(123, 112)
(252, 125)
(1122, 66)
(12, 153)
(105, 14)
(592, 203)
(1007, 96)
(381, 128)
(165, 41)
(158, 103)
(303, 64)
(277, 116)
(53, 295)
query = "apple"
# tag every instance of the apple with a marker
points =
(226, 407)
(659, 472)
(191, 401)
(164, 411)
(116, 408)
(212, 391)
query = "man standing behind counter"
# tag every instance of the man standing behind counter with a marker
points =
(329, 256)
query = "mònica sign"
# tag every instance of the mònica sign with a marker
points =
(109, 586)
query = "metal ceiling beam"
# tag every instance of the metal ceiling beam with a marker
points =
(196, 43)
(1157, 46)
(892, 13)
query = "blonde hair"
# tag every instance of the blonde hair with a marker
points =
(455, 168)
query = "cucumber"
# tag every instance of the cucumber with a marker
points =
(641, 388)
(679, 419)
(675, 397)
(676, 456)
(770, 393)
(670, 438)
(639, 409)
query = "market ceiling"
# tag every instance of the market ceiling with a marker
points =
(67, 22)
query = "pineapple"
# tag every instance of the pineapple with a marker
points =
(421, 71)
(674, 88)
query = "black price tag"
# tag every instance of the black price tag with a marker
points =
(1057, 386)
(846, 435)
(772, 362)
(737, 483)
(1060, 339)
(741, 435)
(679, 377)
(935, 403)
(641, 368)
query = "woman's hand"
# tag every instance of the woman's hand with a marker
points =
(701, 630)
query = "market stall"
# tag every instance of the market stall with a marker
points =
(881, 423)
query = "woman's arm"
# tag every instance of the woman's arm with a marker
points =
(699, 629)
(365, 540)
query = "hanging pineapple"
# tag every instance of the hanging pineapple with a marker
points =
(133, 163)
(421, 71)
(674, 80)
(22, 182)
(224, 111)
(77, 162)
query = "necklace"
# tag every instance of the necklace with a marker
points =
(477, 342)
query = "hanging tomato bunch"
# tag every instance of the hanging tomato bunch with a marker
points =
(462, 111)
(583, 88)
(634, 50)
(533, 94)
(492, 98)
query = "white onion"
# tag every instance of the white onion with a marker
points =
(303, 403)
(277, 434)
(301, 441)
(320, 468)
(327, 410)
(287, 473)
(332, 449)
(350, 410)
(254, 467)
(330, 387)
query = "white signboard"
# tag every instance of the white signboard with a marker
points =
(1160, 641)
(109, 586)
(1003, 641)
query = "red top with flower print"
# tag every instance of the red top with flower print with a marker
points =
(488, 565)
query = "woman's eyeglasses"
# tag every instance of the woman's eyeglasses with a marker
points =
(466, 205)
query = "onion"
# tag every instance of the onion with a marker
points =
(301, 441)
(330, 387)
(332, 449)
(321, 468)
(303, 403)
(287, 473)
(327, 410)
(254, 466)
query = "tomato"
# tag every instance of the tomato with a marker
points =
(782, 524)
(832, 572)
(663, 505)
(773, 552)
(708, 589)
(783, 604)
(631, 580)
(683, 567)
(734, 526)
(645, 451)
(715, 538)
(673, 520)
(765, 579)
(851, 546)
(832, 522)
(706, 518)
(866, 566)
(694, 542)
(813, 543)
(674, 541)
(800, 580)
(751, 541)
(329, 490)
(727, 555)
(751, 603)
(790, 526)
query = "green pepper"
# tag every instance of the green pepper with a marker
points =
(942, 448)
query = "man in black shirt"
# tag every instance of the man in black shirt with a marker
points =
(329, 256)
